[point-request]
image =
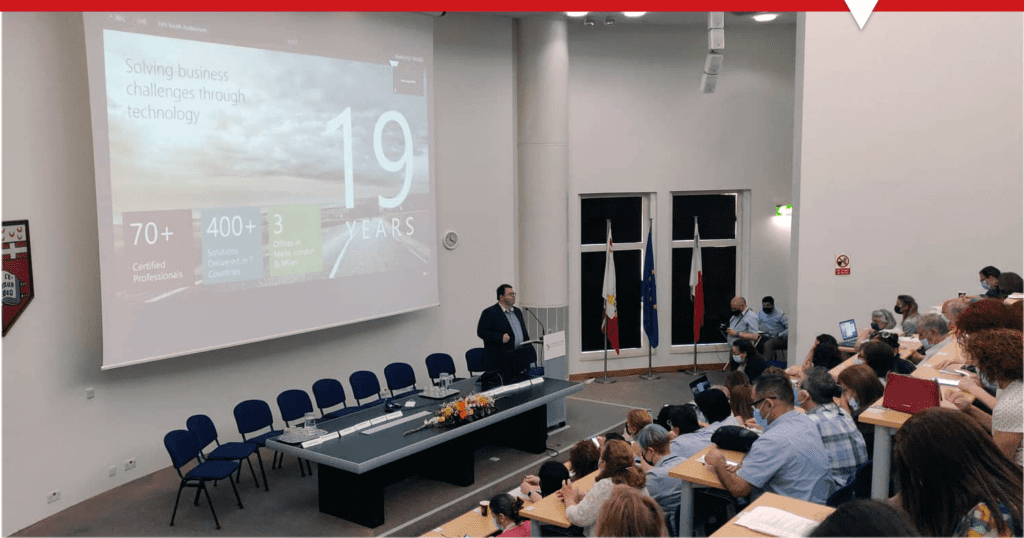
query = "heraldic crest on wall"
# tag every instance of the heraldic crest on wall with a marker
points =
(17, 273)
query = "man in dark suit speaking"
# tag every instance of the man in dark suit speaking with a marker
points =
(503, 331)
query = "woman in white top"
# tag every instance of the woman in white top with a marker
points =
(616, 467)
(999, 356)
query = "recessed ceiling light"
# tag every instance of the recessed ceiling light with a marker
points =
(765, 17)
(634, 13)
(576, 13)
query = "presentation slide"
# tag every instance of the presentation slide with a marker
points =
(259, 175)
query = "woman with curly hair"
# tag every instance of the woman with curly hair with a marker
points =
(999, 356)
(953, 479)
(616, 467)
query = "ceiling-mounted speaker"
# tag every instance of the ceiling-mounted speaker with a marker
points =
(716, 19)
(716, 39)
(708, 83)
(713, 63)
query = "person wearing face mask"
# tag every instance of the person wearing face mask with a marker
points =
(989, 277)
(787, 459)
(745, 355)
(656, 460)
(715, 405)
(504, 510)
(636, 419)
(907, 307)
(775, 326)
(743, 324)
(861, 389)
(881, 320)
(933, 331)
(843, 442)
(682, 421)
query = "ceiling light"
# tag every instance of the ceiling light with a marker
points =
(589, 21)
(609, 21)
(632, 14)
(576, 13)
(765, 17)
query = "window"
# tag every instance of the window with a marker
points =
(628, 215)
(719, 223)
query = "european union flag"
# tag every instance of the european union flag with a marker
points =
(649, 295)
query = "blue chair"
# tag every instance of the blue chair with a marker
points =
(858, 488)
(399, 375)
(202, 427)
(294, 404)
(252, 416)
(329, 393)
(475, 360)
(440, 363)
(183, 447)
(365, 385)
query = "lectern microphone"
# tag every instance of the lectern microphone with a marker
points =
(543, 330)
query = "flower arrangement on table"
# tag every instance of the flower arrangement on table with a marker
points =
(459, 412)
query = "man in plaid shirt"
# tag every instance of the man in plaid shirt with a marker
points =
(843, 442)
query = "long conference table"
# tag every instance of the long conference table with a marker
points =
(371, 450)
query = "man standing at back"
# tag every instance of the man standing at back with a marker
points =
(503, 330)
(788, 459)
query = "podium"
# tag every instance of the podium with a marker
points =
(556, 366)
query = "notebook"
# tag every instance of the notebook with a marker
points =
(847, 333)
(909, 394)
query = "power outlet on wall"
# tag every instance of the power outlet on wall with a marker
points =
(53, 496)
(129, 464)
(112, 470)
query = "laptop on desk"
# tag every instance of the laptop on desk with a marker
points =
(909, 394)
(847, 333)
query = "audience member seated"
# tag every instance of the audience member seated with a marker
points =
(843, 442)
(861, 389)
(788, 458)
(881, 320)
(636, 419)
(982, 315)
(739, 395)
(865, 517)
(989, 277)
(951, 308)
(627, 512)
(547, 481)
(682, 420)
(824, 352)
(879, 356)
(504, 511)
(953, 479)
(656, 460)
(933, 331)
(745, 354)
(907, 307)
(1010, 283)
(999, 356)
(583, 458)
(900, 365)
(775, 326)
(715, 406)
(616, 467)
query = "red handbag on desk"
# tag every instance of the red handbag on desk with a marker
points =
(909, 394)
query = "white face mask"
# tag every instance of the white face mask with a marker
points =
(626, 435)
(496, 525)
(737, 358)
(853, 404)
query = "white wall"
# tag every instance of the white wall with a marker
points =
(910, 160)
(53, 438)
(638, 124)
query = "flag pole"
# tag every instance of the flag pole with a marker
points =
(650, 368)
(696, 337)
(604, 314)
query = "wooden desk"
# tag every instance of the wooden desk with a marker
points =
(887, 421)
(471, 523)
(806, 509)
(551, 509)
(693, 472)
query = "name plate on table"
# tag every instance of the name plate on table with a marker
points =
(362, 425)
(378, 420)
(396, 422)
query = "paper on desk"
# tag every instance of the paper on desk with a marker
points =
(728, 462)
(775, 522)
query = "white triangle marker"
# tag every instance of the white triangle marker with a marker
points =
(394, 63)
(861, 10)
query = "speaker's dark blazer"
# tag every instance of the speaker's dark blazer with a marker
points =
(493, 324)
